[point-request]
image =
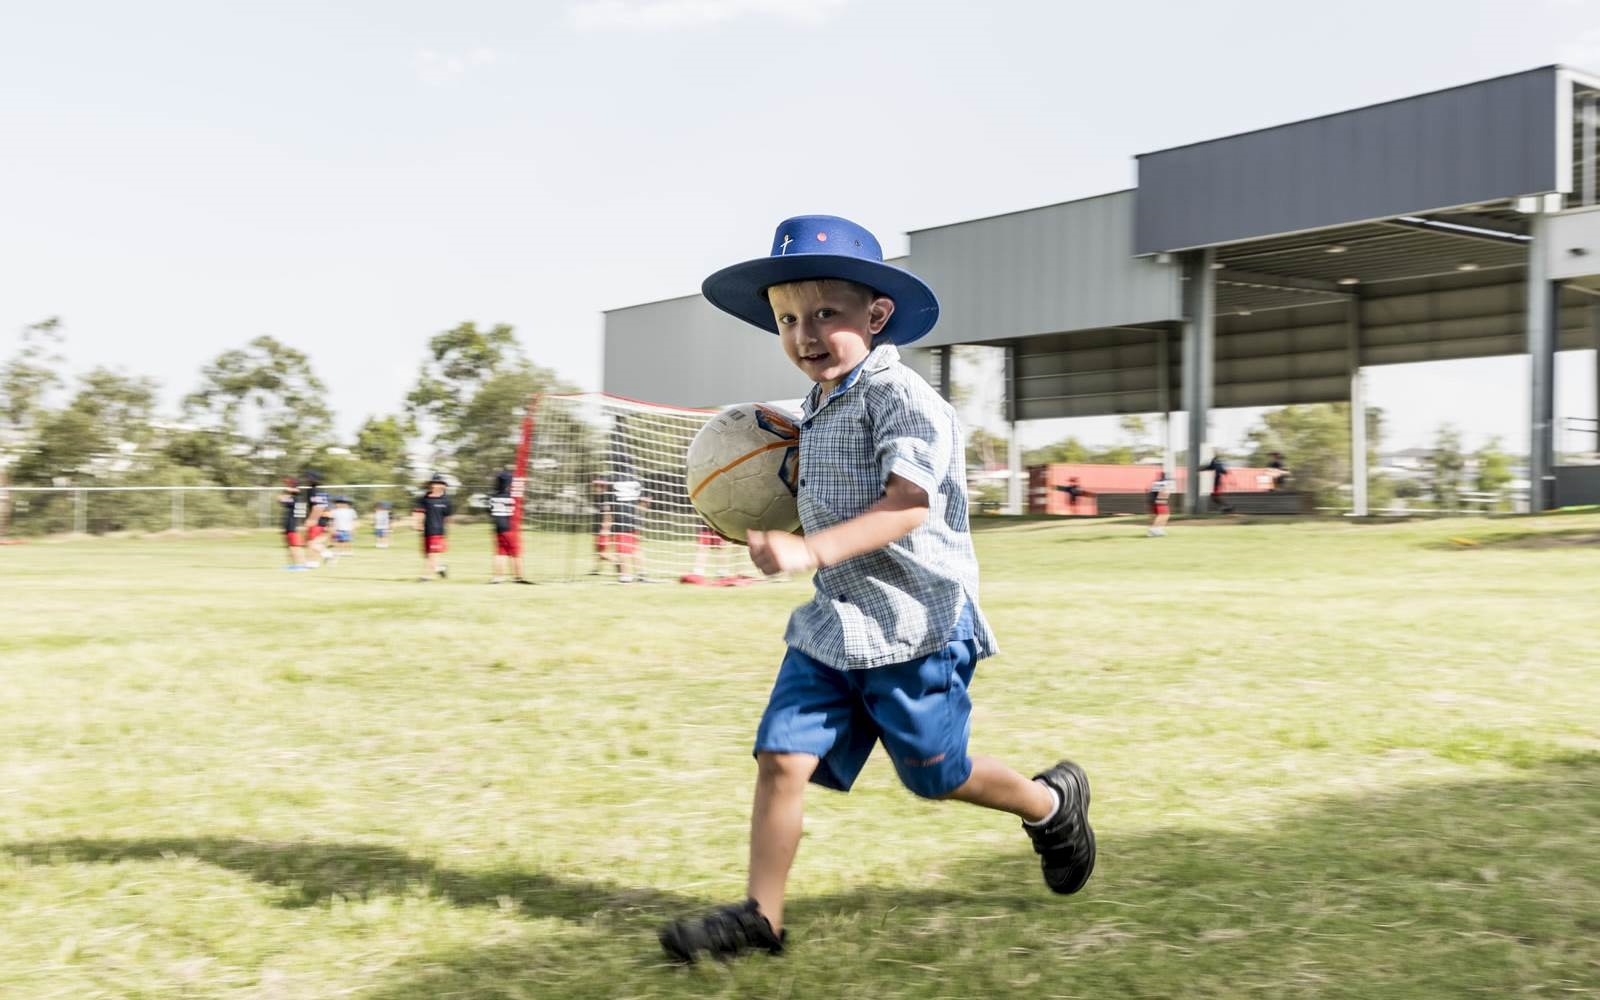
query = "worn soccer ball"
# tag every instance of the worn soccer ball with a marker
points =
(743, 471)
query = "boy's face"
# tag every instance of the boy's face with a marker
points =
(827, 326)
(436, 489)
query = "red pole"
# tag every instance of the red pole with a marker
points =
(520, 473)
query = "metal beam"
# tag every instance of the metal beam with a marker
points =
(1199, 356)
(1543, 305)
(944, 354)
(1278, 282)
(1358, 415)
(1461, 230)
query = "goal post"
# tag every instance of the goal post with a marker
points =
(584, 456)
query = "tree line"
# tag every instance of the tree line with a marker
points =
(259, 413)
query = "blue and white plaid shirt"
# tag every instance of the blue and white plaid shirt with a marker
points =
(905, 600)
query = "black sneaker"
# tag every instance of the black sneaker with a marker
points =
(523, 579)
(723, 934)
(1065, 843)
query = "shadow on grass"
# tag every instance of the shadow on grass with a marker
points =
(1479, 889)
(1533, 539)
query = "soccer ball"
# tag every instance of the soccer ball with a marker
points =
(744, 466)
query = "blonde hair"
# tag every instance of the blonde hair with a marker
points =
(821, 286)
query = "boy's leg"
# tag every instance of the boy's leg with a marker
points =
(775, 826)
(993, 785)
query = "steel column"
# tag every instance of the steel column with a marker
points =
(1164, 396)
(1358, 414)
(1013, 446)
(1199, 351)
(1543, 306)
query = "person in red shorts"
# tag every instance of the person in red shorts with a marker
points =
(429, 514)
(317, 507)
(1160, 505)
(619, 524)
(293, 512)
(507, 541)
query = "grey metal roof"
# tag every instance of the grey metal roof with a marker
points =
(1485, 141)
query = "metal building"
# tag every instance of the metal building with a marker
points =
(1259, 269)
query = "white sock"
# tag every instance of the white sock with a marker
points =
(1055, 807)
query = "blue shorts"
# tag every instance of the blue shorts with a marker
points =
(919, 709)
(341, 536)
(381, 532)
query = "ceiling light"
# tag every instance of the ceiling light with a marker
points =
(1335, 248)
(1217, 265)
(1244, 312)
(1349, 281)
(1468, 266)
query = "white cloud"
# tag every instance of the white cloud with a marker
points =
(435, 68)
(645, 15)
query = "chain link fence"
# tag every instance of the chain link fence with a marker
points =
(102, 510)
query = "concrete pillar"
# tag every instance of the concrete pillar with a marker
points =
(1164, 395)
(1013, 447)
(1199, 352)
(1358, 414)
(1543, 314)
(1594, 331)
(1589, 120)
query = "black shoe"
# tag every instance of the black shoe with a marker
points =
(723, 934)
(1065, 843)
(523, 579)
(444, 572)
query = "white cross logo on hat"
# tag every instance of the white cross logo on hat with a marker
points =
(787, 239)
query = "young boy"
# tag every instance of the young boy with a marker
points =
(1073, 491)
(344, 526)
(619, 522)
(317, 507)
(886, 647)
(507, 542)
(429, 515)
(293, 511)
(1160, 505)
(380, 524)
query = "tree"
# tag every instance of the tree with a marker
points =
(986, 448)
(1315, 443)
(1067, 451)
(1136, 429)
(1445, 468)
(471, 393)
(261, 413)
(1494, 471)
(25, 380)
(101, 435)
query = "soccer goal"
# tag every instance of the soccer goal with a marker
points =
(604, 494)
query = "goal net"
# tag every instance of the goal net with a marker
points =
(604, 494)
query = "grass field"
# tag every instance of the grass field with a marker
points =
(1329, 760)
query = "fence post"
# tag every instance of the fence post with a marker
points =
(177, 510)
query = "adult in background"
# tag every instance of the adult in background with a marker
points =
(1073, 492)
(429, 514)
(1278, 471)
(1219, 476)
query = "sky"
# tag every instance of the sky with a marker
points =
(180, 177)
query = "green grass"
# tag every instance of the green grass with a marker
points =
(1329, 760)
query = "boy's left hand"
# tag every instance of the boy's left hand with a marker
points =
(776, 552)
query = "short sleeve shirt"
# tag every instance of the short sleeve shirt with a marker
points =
(622, 503)
(502, 508)
(905, 600)
(434, 511)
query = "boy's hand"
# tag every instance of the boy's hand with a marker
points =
(776, 552)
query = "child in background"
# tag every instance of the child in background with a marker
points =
(344, 527)
(380, 523)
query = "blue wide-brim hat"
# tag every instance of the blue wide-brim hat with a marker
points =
(812, 247)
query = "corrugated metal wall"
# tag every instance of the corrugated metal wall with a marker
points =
(686, 352)
(1045, 270)
(1484, 141)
